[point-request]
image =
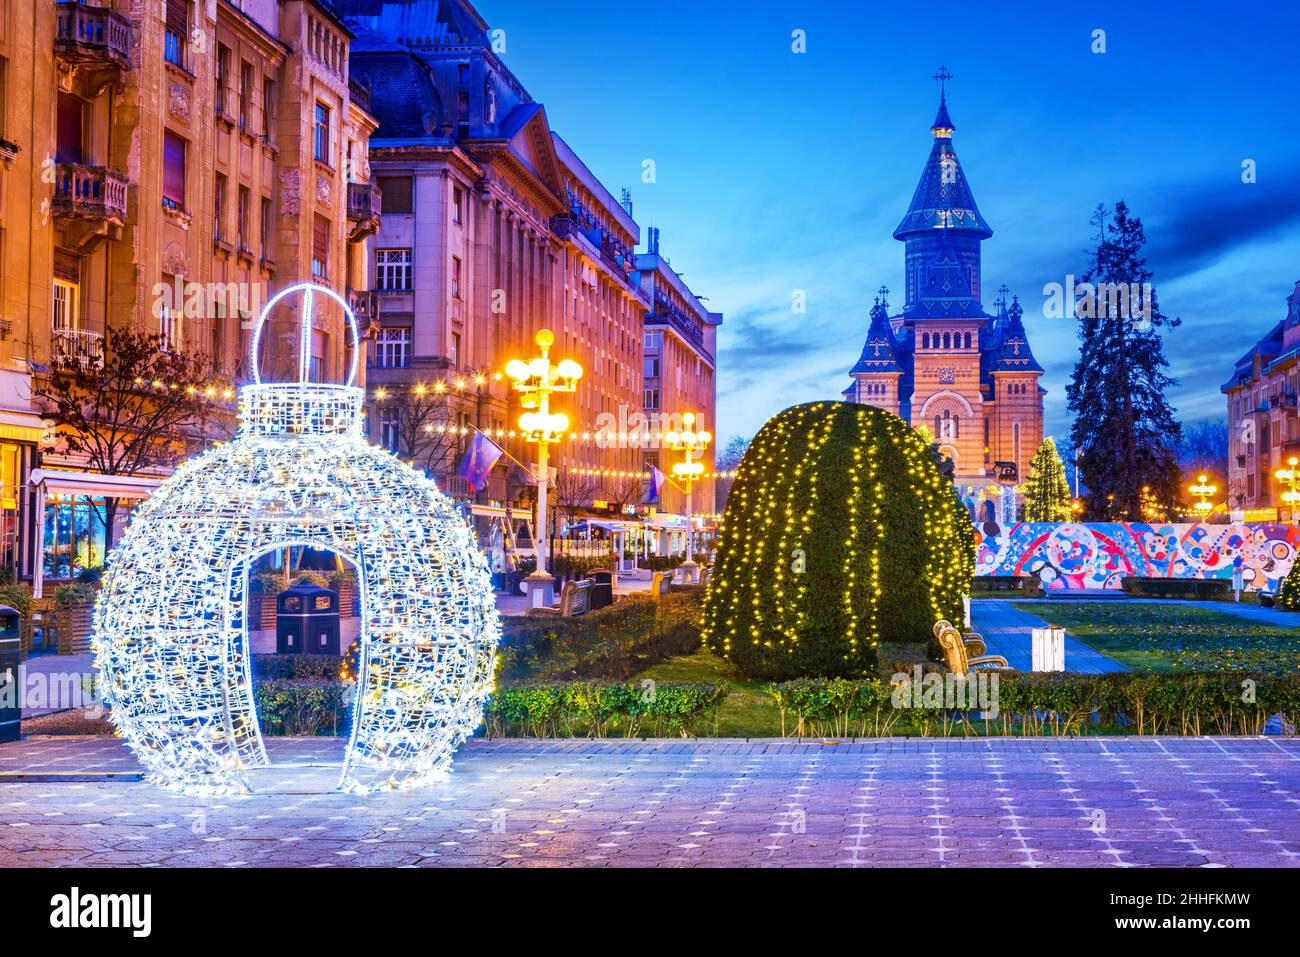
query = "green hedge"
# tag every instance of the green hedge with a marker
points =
(599, 710)
(613, 643)
(302, 708)
(296, 667)
(1056, 703)
(1194, 589)
(840, 533)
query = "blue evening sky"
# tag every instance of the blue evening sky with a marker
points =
(779, 172)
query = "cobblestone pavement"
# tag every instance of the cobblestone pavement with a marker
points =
(1030, 802)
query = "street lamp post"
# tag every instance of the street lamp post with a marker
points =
(1291, 476)
(1204, 505)
(535, 380)
(689, 442)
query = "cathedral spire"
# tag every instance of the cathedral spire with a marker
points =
(878, 355)
(1014, 355)
(943, 126)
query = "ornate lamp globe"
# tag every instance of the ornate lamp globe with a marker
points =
(171, 639)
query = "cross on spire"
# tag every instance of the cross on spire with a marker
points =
(943, 76)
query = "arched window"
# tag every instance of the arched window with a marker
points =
(925, 340)
(947, 340)
(968, 340)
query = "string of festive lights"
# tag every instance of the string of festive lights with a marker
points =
(834, 502)
(171, 635)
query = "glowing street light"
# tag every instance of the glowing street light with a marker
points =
(1291, 476)
(1204, 491)
(689, 441)
(535, 380)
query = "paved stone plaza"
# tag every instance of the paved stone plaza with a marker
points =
(1036, 802)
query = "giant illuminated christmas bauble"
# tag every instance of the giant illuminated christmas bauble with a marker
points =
(171, 639)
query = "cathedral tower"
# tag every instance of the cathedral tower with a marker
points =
(943, 362)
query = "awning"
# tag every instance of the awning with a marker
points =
(22, 426)
(67, 482)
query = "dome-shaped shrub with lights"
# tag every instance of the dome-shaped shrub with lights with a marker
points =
(840, 533)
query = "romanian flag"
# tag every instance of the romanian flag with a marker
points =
(479, 459)
(657, 480)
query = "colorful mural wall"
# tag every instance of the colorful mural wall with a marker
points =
(1100, 555)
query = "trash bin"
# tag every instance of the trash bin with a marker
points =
(602, 592)
(307, 621)
(11, 705)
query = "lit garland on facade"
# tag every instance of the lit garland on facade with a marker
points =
(840, 533)
(171, 638)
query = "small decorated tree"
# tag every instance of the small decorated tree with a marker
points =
(1288, 593)
(1047, 493)
(840, 534)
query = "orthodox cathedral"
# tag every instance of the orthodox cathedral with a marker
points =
(943, 362)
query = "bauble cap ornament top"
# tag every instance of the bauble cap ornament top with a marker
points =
(171, 634)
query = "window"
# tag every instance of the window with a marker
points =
(654, 340)
(455, 277)
(321, 139)
(650, 398)
(396, 192)
(393, 269)
(169, 321)
(650, 367)
(457, 205)
(173, 190)
(245, 95)
(925, 340)
(245, 200)
(70, 132)
(223, 77)
(268, 107)
(393, 348)
(266, 229)
(176, 31)
(455, 350)
(389, 429)
(67, 316)
(320, 247)
(219, 208)
(9, 476)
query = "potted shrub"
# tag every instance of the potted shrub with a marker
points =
(264, 588)
(344, 582)
(73, 605)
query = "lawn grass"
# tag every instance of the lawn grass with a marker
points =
(746, 712)
(1157, 637)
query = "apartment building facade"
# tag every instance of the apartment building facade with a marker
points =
(679, 371)
(495, 228)
(1264, 419)
(168, 167)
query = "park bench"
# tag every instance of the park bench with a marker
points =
(965, 654)
(575, 599)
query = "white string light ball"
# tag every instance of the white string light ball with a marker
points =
(171, 638)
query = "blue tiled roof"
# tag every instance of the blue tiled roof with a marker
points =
(943, 198)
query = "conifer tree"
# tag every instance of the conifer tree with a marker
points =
(1124, 427)
(1047, 493)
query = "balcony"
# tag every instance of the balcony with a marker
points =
(94, 42)
(365, 306)
(687, 327)
(365, 204)
(89, 203)
(359, 93)
(77, 347)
